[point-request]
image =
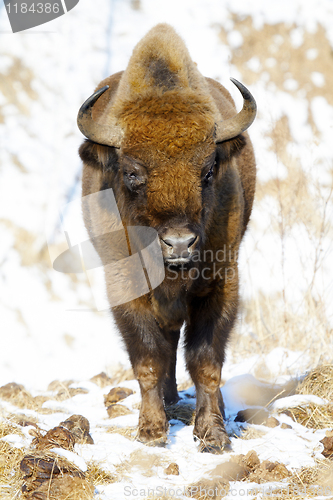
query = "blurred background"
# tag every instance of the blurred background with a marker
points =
(282, 52)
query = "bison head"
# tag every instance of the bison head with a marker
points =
(160, 130)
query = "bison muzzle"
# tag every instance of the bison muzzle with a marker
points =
(175, 152)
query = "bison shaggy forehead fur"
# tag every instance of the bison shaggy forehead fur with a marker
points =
(176, 154)
(162, 99)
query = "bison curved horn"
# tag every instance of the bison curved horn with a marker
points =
(228, 129)
(110, 135)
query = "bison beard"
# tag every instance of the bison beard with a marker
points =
(172, 147)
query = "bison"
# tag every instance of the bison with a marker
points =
(172, 147)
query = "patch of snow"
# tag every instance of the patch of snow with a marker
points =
(312, 54)
(235, 39)
(297, 37)
(322, 113)
(15, 440)
(290, 84)
(296, 400)
(281, 360)
(71, 457)
(318, 79)
(254, 64)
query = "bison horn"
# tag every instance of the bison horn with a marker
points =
(110, 135)
(228, 129)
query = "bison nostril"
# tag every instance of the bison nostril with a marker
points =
(179, 246)
(191, 243)
(167, 242)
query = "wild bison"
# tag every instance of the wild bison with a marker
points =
(172, 147)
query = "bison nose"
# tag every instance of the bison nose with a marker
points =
(179, 247)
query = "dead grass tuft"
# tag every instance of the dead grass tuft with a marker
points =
(297, 200)
(207, 489)
(163, 497)
(10, 475)
(270, 322)
(118, 374)
(252, 433)
(18, 80)
(49, 476)
(318, 382)
(127, 432)
(8, 427)
(99, 476)
(23, 420)
(312, 416)
(184, 412)
(280, 60)
(309, 482)
(17, 395)
(139, 461)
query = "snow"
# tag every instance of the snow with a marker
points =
(318, 78)
(297, 400)
(51, 328)
(71, 457)
(312, 54)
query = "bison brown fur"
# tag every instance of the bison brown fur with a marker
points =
(172, 147)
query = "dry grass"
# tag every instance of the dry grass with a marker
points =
(205, 489)
(302, 483)
(280, 60)
(318, 382)
(8, 427)
(19, 79)
(114, 376)
(99, 476)
(163, 497)
(10, 475)
(121, 374)
(312, 416)
(139, 461)
(272, 322)
(127, 432)
(183, 412)
(298, 202)
(18, 396)
(252, 433)
(310, 482)
(49, 476)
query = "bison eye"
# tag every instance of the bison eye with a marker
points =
(134, 178)
(208, 176)
(134, 173)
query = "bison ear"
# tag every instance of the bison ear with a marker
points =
(233, 147)
(98, 156)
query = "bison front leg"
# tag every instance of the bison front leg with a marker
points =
(209, 427)
(153, 424)
(170, 393)
(206, 335)
(149, 353)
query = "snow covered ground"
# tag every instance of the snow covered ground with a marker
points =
(50, 328)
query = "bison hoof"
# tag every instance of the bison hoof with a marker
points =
(153, 434)
(214, 440)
